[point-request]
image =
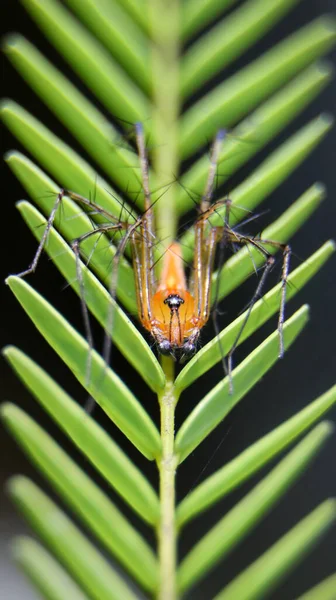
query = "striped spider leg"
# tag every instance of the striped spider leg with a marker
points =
(112, 226)
(175, 312)
(172, 310)
(226, 235)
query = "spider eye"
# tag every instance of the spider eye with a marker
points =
(165, 347)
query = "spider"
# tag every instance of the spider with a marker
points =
(172, 310)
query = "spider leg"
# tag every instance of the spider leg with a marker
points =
(258, 244)
(100, 230)
(205, 248)
(218, 237)
(50, 221)
(142, 242)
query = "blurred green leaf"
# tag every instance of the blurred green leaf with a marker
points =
(89, 437)
(252, 459)
(104, 386)
(78, 555)
(86, 123)
(99, 71)
(119, 34)
(325, 590)
(268, 176)
(197, 13)
(229, 39)
(84, 497)
(138, 10)
(240, 93)
(276, 563)
(256, 130)
(44, 571)
(239, 521)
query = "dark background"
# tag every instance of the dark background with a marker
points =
(307, 370)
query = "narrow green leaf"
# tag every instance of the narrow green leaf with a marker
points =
(120, 35)
(281, 230)
(239, 521)
(256, 130)
(72, 222)
(269, 175)
(276, 168)
(113, 464)
(79, 115)
(74, 550)
(104, 385)
(325, 590)
(264, 574)
(219, 402)
(125, 335)
(52, 581)
(252, 459)
(239, 94)
(71, 171)
(138, 9)
(228, 40)
(84, 496)
(196, 14)
(99, 71)
(267, 306)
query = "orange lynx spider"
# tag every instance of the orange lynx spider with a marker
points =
(173, 311)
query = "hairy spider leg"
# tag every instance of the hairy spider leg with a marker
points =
(234, 237)
(114, 225)
(172, 313)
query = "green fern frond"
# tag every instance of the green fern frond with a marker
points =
(159, 62)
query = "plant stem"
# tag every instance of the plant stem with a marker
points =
(165, 29)
(167, 467)
(166, 106)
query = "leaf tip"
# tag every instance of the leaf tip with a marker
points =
(8, 350)
(325, 68)
(5, 410)
(328, 428)
(327, 120)
(320, 190)
(5, 104)
(332, 245)
(9, 156)
(9, 280)
(328, 21)
(329, 506)
(10, 41)
(16, 484)
(303, 312)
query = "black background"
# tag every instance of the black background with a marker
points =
(307, 370)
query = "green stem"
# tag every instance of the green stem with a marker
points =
(165, 30)
(167, 468)
(165, 27)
